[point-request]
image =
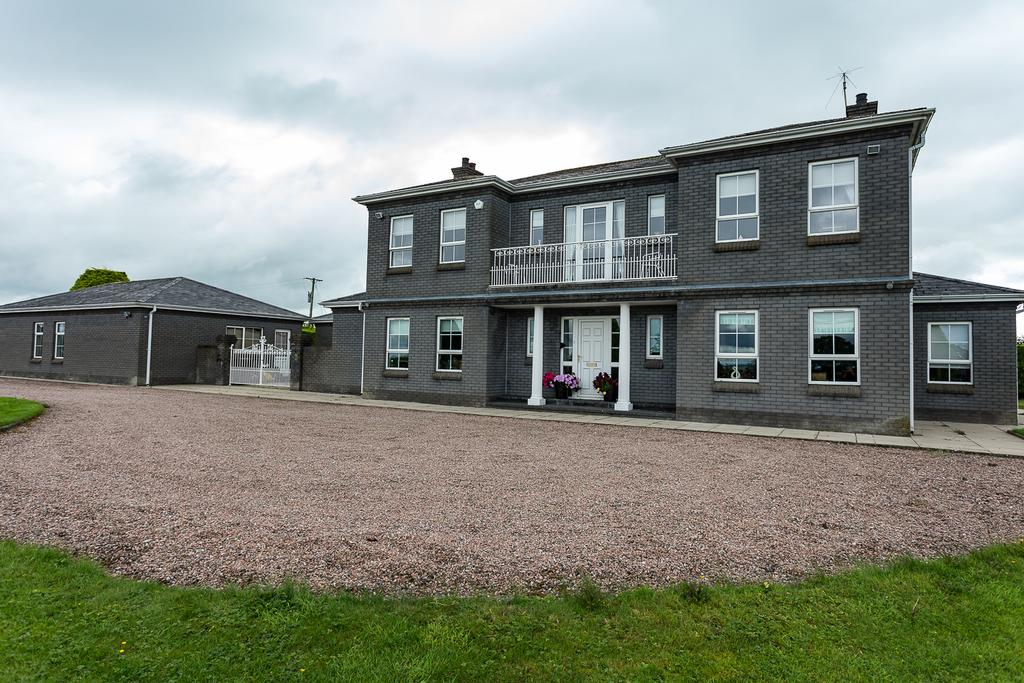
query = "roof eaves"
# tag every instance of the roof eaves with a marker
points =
(919, 117)
(159, 307)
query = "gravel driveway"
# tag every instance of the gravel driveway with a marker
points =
(204, 489)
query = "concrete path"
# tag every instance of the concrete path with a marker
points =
(948, 436)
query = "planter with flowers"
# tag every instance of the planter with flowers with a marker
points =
(564, 384)
(607, 386)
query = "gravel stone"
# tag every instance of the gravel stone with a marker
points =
(197, 489)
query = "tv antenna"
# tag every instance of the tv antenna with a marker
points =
(842, 78)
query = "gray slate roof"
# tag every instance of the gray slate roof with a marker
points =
(170, 292)
(349, 298)
(641, 164)
(325, 319)
(938, 285)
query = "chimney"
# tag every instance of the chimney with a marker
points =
(861, 107)
(466, 170)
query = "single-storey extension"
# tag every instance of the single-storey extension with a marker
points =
(141, 332)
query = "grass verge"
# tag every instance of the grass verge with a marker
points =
(1019, 431)
(948, 619)
(17, 410)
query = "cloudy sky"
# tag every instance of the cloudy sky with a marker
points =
(224, 140)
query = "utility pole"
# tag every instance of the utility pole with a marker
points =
(312, 290)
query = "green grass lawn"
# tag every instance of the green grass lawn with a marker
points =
(1019, 431)
(951, 619)
(1020, 403)
(15, 410)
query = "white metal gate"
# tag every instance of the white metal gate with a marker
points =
(262, 364)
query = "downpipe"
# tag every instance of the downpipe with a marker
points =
(910, 240)
(149, 347)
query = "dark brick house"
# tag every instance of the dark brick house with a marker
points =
(141, 332)
(763, 278)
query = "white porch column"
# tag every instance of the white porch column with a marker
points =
(623, 402)
(537, 369)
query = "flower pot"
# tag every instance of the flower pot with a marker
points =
(561, 391)
(611, 396)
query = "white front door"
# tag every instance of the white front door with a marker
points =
(591, 355)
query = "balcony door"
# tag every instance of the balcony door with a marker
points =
(592, 237)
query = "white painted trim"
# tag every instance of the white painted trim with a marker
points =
(149, 347)
(739, 216)
(537, 364)
(757, 346)
(59, 335)
(387, 343)
(38, 333)
(437, 342)
(835, 207)
(968, 298)
(288, 344)
(664, 213)
(442, 244)
(811, 356)
(529, 336)
(534, 212)
(969, 363)
(243, 339)
(392, 249)
(916, 116)
(647, 346)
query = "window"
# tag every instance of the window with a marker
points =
(654, 334)
(529, 336)
(58, 340)
(246, 337)
(949, 353)
(453, 236)
(283, 339)
(834, 346)
(832, 188)
(736, 346)
(567, 344)
(37, 340)
(536, 227)
(449, 344)
(401, 241)
(398, 344)
(656, 214)
(737, 207)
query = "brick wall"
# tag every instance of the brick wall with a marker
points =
(993, 394)
(783, 251)
(99, 346)
(784, 397)
(333, 363)
(177, 335)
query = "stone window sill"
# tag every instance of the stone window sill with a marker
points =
(452, 266)
(836, 390)
(736, 387)
(744, 245)
(396, 373)
(654, 363)
(37, 361)
(448, 376)
(841, 238)
(57, 361)
(961, 389)
(398, 271)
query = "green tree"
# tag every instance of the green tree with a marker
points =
(98, 276)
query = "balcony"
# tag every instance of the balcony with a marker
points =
(613, 260)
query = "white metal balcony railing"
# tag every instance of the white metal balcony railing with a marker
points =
(622, 258)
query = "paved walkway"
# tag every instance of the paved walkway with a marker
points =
(950, 436)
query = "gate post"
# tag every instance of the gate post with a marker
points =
(263, 351)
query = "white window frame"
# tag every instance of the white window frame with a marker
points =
(288, 343)
(533, 227)
(38, 332)
(241, 340)
(529, 337)
(756, 355)
(837, 207)
(650, 214)
(437, 343)
(387, 344)
(465, 230)
(738, 216)
(811, 356)
(661, 346)
(969, 363)
(391, 241)
(59, 331)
